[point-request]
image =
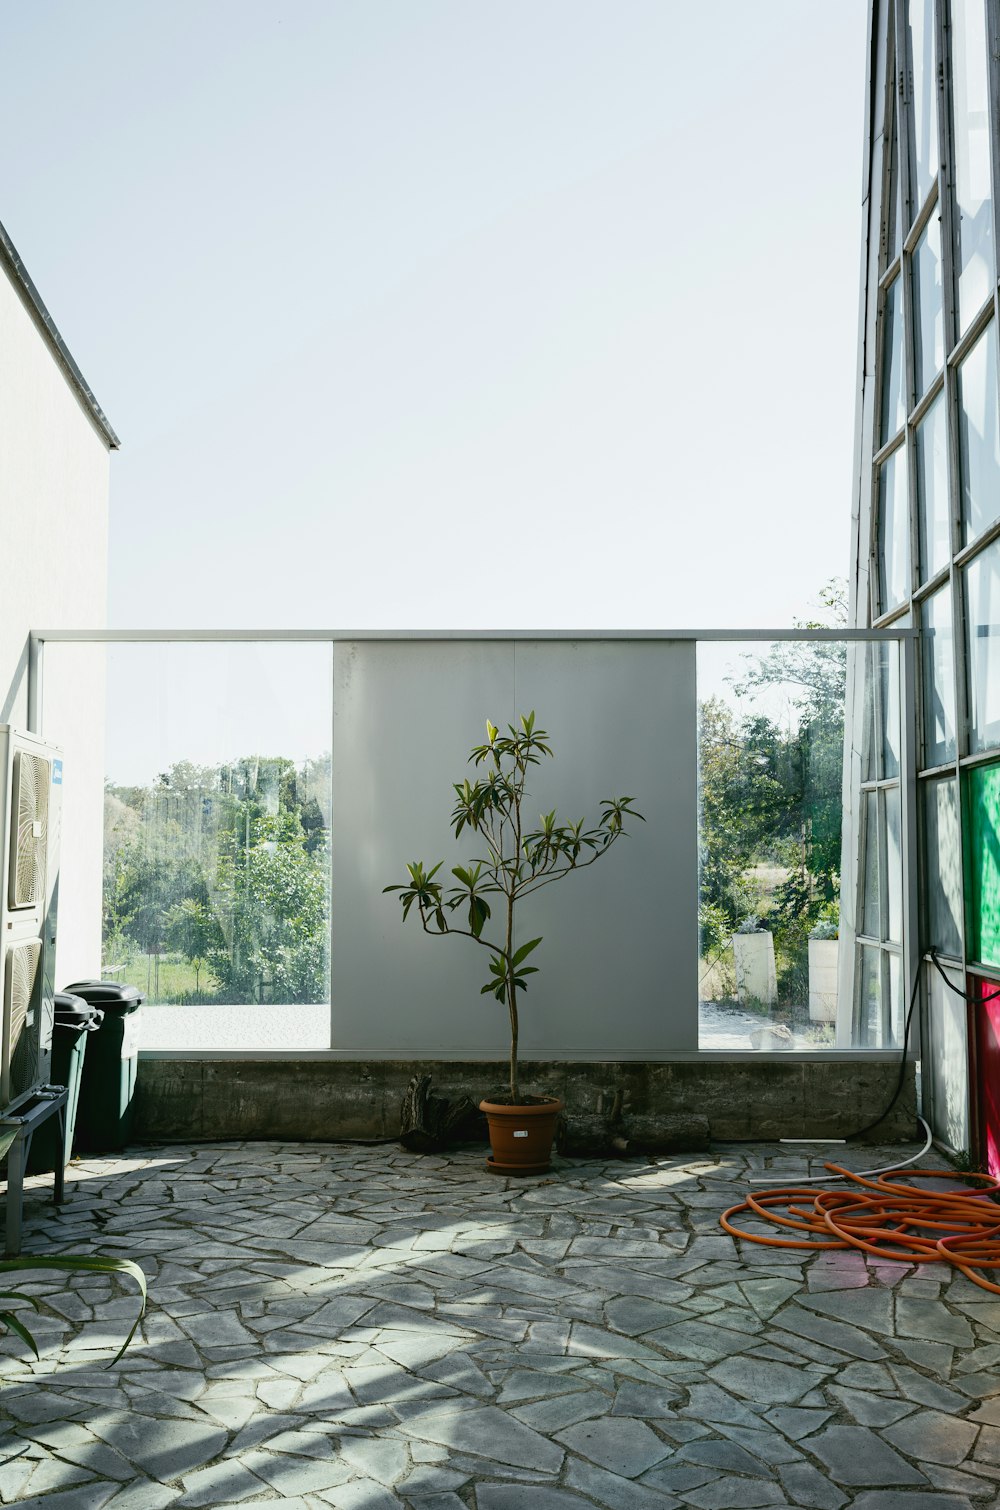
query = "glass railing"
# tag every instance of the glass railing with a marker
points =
(763, 907)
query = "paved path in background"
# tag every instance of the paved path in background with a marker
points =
(359, 1327)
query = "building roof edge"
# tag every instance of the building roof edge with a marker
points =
(21, 278)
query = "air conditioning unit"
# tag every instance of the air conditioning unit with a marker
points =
(31, 772)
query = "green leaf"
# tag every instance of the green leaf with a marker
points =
(9, 1320)
(524, 951)
(80, 1263)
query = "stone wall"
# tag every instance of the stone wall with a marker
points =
(334, 1099)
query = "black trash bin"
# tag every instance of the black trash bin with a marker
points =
(107, 1093)
(75, 1021)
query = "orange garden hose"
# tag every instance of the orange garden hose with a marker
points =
(887, 1217)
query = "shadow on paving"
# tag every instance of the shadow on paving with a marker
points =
(365, 1328)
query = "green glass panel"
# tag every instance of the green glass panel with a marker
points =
(982, 862)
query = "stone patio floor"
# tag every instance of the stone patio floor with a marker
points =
(365, 1328)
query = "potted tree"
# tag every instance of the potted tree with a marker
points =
(518, 862)
(823, 960)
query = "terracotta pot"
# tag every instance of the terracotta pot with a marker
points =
(521, 1136)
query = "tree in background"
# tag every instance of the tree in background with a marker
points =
(225, 867)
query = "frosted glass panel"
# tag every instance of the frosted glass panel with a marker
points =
(944, 878)
(928, 319)
(923, 107)
(982, 578)
(937, 651)
(893, 532)
(970, 93)
(979, 436)
(932, 490)
(893, 405)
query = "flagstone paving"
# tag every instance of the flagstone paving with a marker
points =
(364, 1328)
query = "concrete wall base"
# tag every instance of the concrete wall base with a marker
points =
(331, 1100)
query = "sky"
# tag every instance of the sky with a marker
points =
(447, 314)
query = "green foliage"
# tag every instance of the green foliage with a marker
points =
(226, 868)
(517, 862)
(73, 1263)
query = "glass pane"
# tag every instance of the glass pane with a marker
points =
(979, 436)
(937, 651)
(894, 864)
(871, 914)
(982, 578)
(869, 745)
(928, 315)
(217, 814)
(895, 1015)
(945, 1059)
(888, 657)
(771, 812)
(893, 532)
(974, 221)
(893, 407)
(932, 490)
(892, 236)
(923, 92)
(943, 875)
(982, 851)
(869, 1029)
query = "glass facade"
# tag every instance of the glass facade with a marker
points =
(933, 494)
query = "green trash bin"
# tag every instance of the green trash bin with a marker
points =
(75, 1021)
(107, 1091)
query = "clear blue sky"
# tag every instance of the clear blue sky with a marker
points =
(440, 313)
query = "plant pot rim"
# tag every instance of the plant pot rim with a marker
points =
(521, 1109)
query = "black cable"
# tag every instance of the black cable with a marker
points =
(972, 1000)
(902, 1065)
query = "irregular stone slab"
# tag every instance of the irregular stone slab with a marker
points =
(726, 1457)
(211, 1329)
(725, 1493)
(634, 1314)
(550, 1416)
(297, 1475)
(755, 1379)
(512, 1497)
(490, 1433)
(831, 1334)
(871, 1410)
(809, 1487)
(931, 1321)
(870, 1309)
(700, 1341)
(795, 1423)
(880, 1499)
(924, 1391)
(936, 1357)
(978, 1386)
(647, 1400)
(838, 1271)
(931, 1435)
(163, 1449)
(707, 1402)
(855, 1456)
(767, 1445)
(228, 1481)
(530, 1384)
(607, 1489)
(378, 1458)
(624, 1447)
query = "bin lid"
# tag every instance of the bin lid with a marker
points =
(112, 995)
(74, 1012)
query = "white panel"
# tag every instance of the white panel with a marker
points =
(405, 717)
(945, 1062)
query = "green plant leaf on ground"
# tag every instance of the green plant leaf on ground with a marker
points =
(74, 1263)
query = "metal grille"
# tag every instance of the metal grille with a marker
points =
(30, 827)
(22, 1016)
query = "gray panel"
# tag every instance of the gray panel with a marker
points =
(619, 965)
(405, 717)
(619, 962)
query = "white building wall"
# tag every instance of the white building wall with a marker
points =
(54, 466)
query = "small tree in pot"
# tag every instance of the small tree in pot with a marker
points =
(518, 862)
